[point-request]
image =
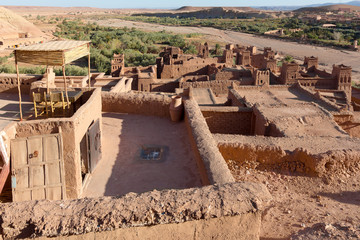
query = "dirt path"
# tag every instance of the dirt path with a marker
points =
(327, 56)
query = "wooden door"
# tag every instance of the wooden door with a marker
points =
(37, 170)
(94, 135)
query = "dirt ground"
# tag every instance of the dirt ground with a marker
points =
(120, 171)
(307, 207)
(9, 108)
(327, 56)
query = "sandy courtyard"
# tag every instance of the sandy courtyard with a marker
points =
(120, 171)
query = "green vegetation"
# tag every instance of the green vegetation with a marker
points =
(140, 48)
(5, 59)
(70, 70)
(343, 35)
(288, 58)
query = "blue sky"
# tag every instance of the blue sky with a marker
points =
(160, 3)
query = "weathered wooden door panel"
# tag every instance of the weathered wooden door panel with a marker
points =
(37, 168)
(94, 134)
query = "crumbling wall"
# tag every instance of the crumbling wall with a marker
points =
(217, 86)
(262, 125)
(228, 211)
(351, 127)
(212, 166)
(164, 86)
(137, 103)
(8, 82)
(348, 124)
(289, 154)
(235, 99)
(228, 120)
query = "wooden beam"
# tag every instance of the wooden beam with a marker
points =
(89, 70)
(65, 84)
(19, 89)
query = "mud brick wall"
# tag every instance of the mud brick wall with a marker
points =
(73, 129)
(235, 99)
(217, 86)
(228, 211)
(211, 164)
(228, 120)
(284, 153)
(228, 75)
(150, 104)
(8, 82)
(164, 87)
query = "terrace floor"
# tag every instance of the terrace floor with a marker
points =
(121, 171)
(9, 108)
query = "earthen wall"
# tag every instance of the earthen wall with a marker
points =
(137, 103)
(235, 99)
(8, 82)
(272, 155)
(217, 86)
(164, 86)
(228, 120)
(73, 129)
(224, 211)
(211, 164)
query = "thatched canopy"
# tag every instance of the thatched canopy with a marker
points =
(55, 53)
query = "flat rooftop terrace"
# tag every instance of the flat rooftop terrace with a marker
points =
(295, 113)
(9, 108)
(122, 171)
(275, 96)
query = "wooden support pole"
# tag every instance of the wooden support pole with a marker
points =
(89, 71)
(19, 89)
(47, 81)
(65, 84)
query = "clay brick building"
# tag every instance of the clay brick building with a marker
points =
(310, 76)
(232, 113)
(239, 65)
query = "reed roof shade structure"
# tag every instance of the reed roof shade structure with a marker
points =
(54, 53)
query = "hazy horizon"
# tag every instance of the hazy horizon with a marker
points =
(162, 3)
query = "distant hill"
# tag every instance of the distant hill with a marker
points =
(291, 8)
(192, 9)
(215, 12)
(12, 24)
(334, 7)
(353, 3)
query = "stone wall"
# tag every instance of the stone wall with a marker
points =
(229, 211)
(229, 120)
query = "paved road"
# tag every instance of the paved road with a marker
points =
(327, 56)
